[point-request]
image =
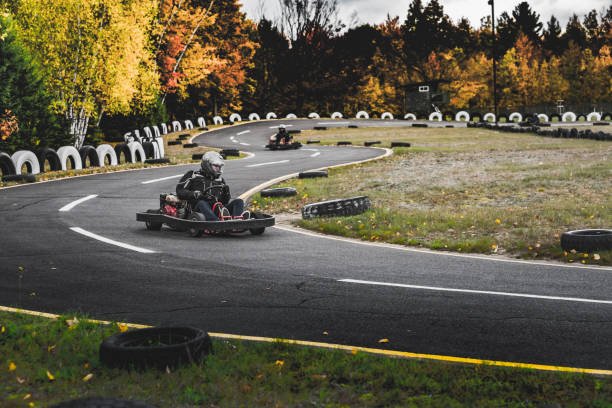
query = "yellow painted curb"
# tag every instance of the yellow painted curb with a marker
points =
(353, 349)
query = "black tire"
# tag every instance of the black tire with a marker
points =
(257, 231)
(98, 402)
(353, 126)
(420, 125)
(196, 216)
(371, 143)
(320, 128)
(20, 178)
(89, 152)
(344, 143)
(123, 148)
(400, 144)
(313, 174)
(337, 208)
(149, 150)
(184, 136)
(152, 225)
(278, 192)
(230, 152)
(157, 161)
(47, 154)
(601, 124)
(190, 145)
(174, 143)
(294, 131)
(203, 128)
(7, 167)
(311, 141)
(158, 347)
(197, 156)
(588, 240)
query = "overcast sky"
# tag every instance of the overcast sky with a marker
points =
(375, 11)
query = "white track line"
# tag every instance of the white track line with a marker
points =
(268, 163)
(73, 204)
(479, 292)
(276, 127)
(315, 154)
(243, 132)
(333, 123)
(244, 144)
(110, 241)
(161, 179)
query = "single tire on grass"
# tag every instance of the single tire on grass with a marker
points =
(400, 144)
(337, 208)
(190, 145)
(371, 143)
(587, 240)
(313, 174)
(157, 161)
(230, 152)
(344, 143)
(174, 142)
(279, 192)
(311, 141)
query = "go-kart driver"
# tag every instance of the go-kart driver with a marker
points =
(282, 136)
(203, 187)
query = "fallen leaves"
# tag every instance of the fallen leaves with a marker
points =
(383, 340)
(12, 366)
(50, 376)
(88, 377)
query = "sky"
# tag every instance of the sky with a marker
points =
(375, 11)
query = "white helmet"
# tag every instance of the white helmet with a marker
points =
(281, 126)
(212, 164)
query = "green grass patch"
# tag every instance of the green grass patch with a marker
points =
(467, 190)
(45, 361)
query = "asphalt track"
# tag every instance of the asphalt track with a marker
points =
(286, 283)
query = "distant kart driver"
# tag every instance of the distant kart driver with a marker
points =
(282, 136)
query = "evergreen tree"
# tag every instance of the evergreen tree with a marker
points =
(575, 33)
(552, 41)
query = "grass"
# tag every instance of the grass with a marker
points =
(466, 190)
(45, 361)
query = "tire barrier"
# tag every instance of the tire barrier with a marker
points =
(218, 120)
(156, 132)
(544, 129)
(400, 144)
(254, 116)
(606, 116)
(148, 134)
(234, 117)
(201, 122)
(176, 126)
(230, 152)
(20, 178)
(601, 124)
(543, 117)
(278, 192)
(568, 117)
(410, 116)
(158, 347)
(336, 115)
(587, 240)
(420, 125)
(435, 116)
(294, 131)
(311, 141)
(157, 161)
(161, 152)
(46, 154)
(353, 126)
(99, 402)
(149, 149)
(593, 117)
(337, 208)
(555, 117)
(66, 153)
(271, 115)
(462, 116)
(189, 145)
(312, 174)
(387, 115)
(104, 151)
(122, 148)
(174, 142)
(475, 116)
(164, 128)
(89, 154)
(515, 117)
(371, 143)
(344, 143)
(362, 115)
(184, 136)
(314, 115)
(7, 167)
(488, 117)
(320, 128)
(188, 125)
(137, 137)
(291, 116)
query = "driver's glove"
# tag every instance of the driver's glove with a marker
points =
(197, 195)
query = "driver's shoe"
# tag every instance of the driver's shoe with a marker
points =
(246, 215)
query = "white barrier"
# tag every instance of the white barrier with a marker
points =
(128, 137)
(362, 115)
(336, 115)
(164, 128)
(462, 116)
(291, 116)
(593, 117)
(271, 115)
(488, 116)
(201, 122)
(542, 117)
(568, 117)
(218, 120)
(387, 115)
(28, 158)
(136, 147)
(254, 116)
(176, 126)
(515, 115)
(435, 116)
(410, 116)
(160, 151)
(156, 133)
(106, 150)
(188, 125)
(70, 152)
(234, 117)
(148, 132)
(314, 115)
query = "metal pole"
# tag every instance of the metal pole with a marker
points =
(492, 3)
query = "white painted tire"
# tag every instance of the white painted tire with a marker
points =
(568, 117)
(218, 120)
(515, 115)
(336, 115)
(156, 132)
(136, 147)
(462, 116)
(67, 152)
(234, 117)
(387, 115)
(593, 117)
(106, 150)
(437, 116)
(271, 115)
(314, 115)
(291, 116)
(28, 158)
(176, 126)
(148, 133)
(201, 122)
(188, 125)
(164, 128)
(160, 151)
(542, 117)
(410, 116)
(254, 116)
(362, 115)
(488, 116)
(127, 137)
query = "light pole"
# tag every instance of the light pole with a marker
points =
(492, 3)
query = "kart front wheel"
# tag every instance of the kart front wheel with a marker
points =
(153, 225)
(196, 232)
(257, 231)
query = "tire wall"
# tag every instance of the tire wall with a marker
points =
(66, 153)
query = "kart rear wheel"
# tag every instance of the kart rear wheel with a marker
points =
(257, 231)
(196, 216)
(152, 225)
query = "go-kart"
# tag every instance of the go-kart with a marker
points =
(178, 215)
(283, 145)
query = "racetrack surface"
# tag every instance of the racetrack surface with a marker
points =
(289, 284)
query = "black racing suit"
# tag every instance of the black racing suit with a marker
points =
(212, 190)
